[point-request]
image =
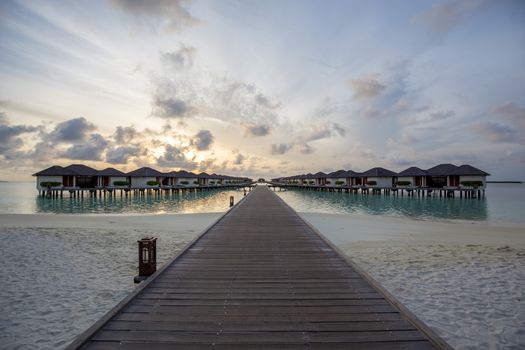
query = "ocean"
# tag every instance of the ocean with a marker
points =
(22, 198)
(504, 204)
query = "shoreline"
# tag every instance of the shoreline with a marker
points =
(359, 217)
(360, 228)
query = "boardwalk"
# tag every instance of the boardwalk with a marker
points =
(259, 278)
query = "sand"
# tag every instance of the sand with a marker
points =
(464, 279)
(63, 272)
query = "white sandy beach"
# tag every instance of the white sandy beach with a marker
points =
(466, 280)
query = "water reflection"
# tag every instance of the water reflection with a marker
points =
(183, 202)
(415, 207)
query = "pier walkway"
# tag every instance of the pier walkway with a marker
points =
(259, 278)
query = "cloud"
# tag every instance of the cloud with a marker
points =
(228, 92)
(125, 134)
(203, 140)
(170, 15)
(181, 59)
(385, 95)
(9, 135)
(441, 115)
(322, 131)
(326, 108)
(367, 88)
(26, 109)
(121, 155)
(239, 159)
(305, 148)
(182, 91)
(71, 130)
(256, 130)
(265, 102)
(513, 113)
(281, 148)
(311, 133)
(174, 157)
(171, 108)
(91, 149)
(516, 156)
(442, 17)
(495, 132)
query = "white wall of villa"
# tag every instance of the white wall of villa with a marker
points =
(381, 181)
(40, 179)
(407, 179)
(113, 179)
(187, 181)
(214, 181)
(473, 178)
(351, 181)
(142, 181)
(336, 181)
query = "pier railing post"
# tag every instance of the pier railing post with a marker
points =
(147, 258)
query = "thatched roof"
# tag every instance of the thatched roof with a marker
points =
(413, 171)
(470, 170)
(82, 170)
(350, 173)
(378, 172)
(442, 170)
(55, 170)
(336, 174)
(111, 172)
(145, 172)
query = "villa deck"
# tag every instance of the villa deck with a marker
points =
(109, 191)
(260, 277)
(447, 191)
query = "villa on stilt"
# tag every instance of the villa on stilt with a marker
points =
(441, 180)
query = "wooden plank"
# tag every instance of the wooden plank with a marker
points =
(280, 337)
(140, 317)
(260, 326)
(259, 278)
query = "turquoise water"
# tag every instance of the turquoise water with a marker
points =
(503, 203)
(22, 198)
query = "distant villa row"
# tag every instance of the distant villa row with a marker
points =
(79, 176)
(442, 176)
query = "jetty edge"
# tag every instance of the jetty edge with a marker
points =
(83, 337)
(261, 277)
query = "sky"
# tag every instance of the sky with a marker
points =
(262, 88)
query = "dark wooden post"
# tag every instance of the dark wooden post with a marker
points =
(231, 201)
(147, 258)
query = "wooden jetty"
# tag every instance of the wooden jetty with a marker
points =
(259, 278)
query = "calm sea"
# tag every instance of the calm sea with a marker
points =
(22, 198)
(503, 204)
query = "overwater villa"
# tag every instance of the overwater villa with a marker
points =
(336, 178)
(378, 177)
(442, 179)
(145, 177)
(77, 178)
(111, 177)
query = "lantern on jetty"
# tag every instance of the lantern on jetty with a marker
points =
(147, 258)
